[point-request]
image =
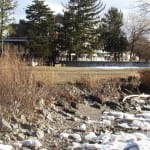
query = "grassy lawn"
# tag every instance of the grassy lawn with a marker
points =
(58, 75)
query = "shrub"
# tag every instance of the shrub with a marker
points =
(88, 81)
(145, 81)
(18, 88)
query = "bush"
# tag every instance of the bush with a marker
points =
(88, 81)
(18, 88)
(145, 81)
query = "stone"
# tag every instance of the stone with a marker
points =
(20, 136)
(15, 126)
(64, 136)
(40, 134)
(49, 117)
(75, 137)
(91, 137)
(26, 126)
(4, 125)
(6, 147)
(96, 105)
(69, 110)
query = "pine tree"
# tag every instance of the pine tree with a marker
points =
(80, 22)
(40, 29)
(114, 39)
(6, 9)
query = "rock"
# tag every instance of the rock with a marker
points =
(82, 127)
(17, 145)
(96, 105)
(40, 134)
(26, 126)
(131, 145)
(6, 147)
(91, 137)
(49, 117)
(20, 136)
(75, 146)
(15, 126)
(124, 125)
(4, 125)
(64, 136)
(45, 112)
(105, 123)
(40, 102)
(31, 143)
(69, 110)
(74, 105)
(75, 137)
(88, 146)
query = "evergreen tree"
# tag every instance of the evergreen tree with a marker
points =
(6, 9)
(40, 29)
(114, 39)
(80, 22)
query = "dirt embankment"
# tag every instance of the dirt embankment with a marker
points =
(100, 94)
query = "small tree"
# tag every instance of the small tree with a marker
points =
(40, 29)
(114, 39)
(6, 9)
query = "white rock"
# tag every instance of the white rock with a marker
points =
(64, 136)
(88, 146)
(145, 114)
(140, 136)
(26, 143)
(108, 117)
(136, 123)
(117, 114)
(40, 134)
(17, 144)
(76, 145)
(31, 143)
(124, 125)
(90, 121)
(36, 143)
(6, 147)
(75, 137)
(145, 126)
(82, 127)
(105, 122)
(91, 137)
(129, 116)
(105, 137)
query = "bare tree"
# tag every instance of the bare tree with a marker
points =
(142, 48)
(144, 6)
(136, 27)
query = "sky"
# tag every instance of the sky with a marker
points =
(56, 5)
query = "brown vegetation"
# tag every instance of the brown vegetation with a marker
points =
(145, 80)
(18, 88)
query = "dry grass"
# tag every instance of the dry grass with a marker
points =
(18, 88)
(88, 81)
(71, 74)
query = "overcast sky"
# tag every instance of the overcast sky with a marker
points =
(56, 5)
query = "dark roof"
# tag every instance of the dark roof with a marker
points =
(15, 39)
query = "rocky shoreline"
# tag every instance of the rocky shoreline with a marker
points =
(77, 118)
